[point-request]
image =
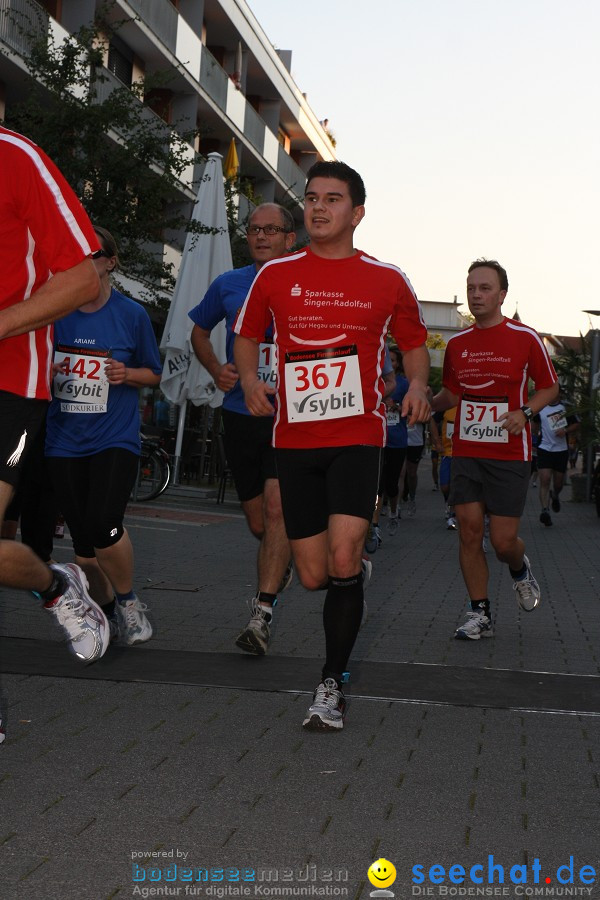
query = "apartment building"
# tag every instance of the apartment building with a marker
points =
(228, 81)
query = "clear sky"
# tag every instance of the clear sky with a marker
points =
(476, 127)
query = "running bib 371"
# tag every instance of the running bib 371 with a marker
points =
(479, 419)
(323, 384)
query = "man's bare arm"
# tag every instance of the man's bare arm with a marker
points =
(416, 367)
(224, 374)
(55, 299)
(515, 420)
(389, 381)
(443, 400)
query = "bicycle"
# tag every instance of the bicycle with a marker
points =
(154, 471)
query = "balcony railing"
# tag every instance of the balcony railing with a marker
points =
(161, 17)
(22, 23)
(291, 174)
(254, 128)
(213, 78)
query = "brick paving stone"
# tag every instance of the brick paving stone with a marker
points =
(94, 771)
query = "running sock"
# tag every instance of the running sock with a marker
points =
(481, 606)
(337, 677)
(267, 603)
(57, 588)
(123, 598)
(520, 575)
(109, 609)
(342, 615)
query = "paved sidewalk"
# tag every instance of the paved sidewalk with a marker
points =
(445, 759)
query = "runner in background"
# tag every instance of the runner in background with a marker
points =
(247, 439)
(486, 371)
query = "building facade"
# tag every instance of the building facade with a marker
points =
(226, 80)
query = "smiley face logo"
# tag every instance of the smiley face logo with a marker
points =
(381, 873)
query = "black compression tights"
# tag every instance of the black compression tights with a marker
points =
(342, 615)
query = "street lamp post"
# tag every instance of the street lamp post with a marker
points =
(594, 385)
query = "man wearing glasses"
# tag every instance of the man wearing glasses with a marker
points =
(270, 234)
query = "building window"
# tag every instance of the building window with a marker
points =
(120, 63)
(159, 100)
(284, 139)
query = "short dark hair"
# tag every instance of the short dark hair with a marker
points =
(491, 264)
(108, 243)
(342, 172)
(286, 216)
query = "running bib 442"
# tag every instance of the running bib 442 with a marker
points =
(323, 384)
(479, 419)
(83, 386)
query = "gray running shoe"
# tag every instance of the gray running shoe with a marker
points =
(328, 709)
(134, 627)
(366, 568)
(528, 590)
(393, 526)
(288, 576)
(79, 617)
(411, 508)
(372, 540)
(256, 636)
(477, 626)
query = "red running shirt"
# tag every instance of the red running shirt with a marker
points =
(488, 369)
(330, 320)
(43, 230)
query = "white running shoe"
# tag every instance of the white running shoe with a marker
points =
(79, 617)
(477, 626)
(328, 709)
(528, 590)
(451, 523)
(393, 526)
(256, 636)
(134, 627)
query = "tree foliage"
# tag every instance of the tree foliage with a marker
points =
(573, 370)
(124, 162)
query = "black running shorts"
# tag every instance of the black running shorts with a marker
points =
(20, 420)
(92, 493)
(249, 453)
(320, 482)
(557, 460)
(501, 485)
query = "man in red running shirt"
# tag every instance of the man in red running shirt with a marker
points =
(46, 245)
(486, 371)
(332, 307)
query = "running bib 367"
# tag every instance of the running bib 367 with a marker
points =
(323, 384)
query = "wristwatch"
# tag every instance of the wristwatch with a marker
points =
(527, 412)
